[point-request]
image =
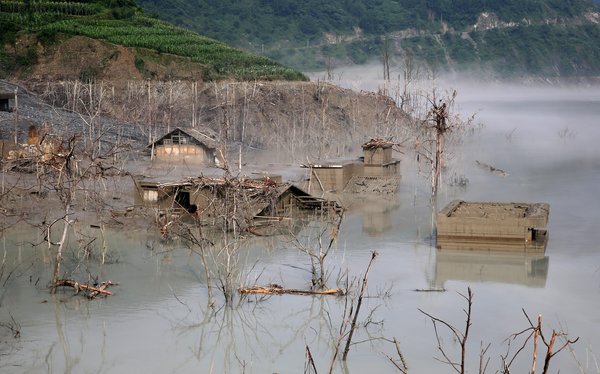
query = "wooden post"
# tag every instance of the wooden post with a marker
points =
(16, 116)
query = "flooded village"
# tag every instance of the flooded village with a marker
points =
(290, 238)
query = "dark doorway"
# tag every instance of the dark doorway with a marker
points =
(182, 199)
(4, 105)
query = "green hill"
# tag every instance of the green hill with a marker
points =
(122, 22)
(510, 37)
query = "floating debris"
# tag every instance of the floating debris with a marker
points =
(492, 169)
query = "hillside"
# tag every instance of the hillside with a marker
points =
(31, 30)
(505, 38)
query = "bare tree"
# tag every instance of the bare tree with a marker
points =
(460, 336)
(535, 331)
(386, 51)
(318, 251)
(358, 305)
(433, 133)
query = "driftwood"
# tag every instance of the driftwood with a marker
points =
(91, 292)
(275, 289)
(491, 169)
(430, 289)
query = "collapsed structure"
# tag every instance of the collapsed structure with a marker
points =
(231, 199)
(493, 226)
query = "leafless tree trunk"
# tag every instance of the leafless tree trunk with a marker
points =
(358, 305)
(16, 116)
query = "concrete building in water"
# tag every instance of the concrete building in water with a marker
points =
(493, 226)
(375, 167)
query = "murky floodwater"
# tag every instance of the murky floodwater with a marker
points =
(157, 320)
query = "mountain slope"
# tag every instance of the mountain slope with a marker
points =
(448, 35)
(121, 22)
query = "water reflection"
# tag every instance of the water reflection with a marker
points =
(526, 269)
(376, 211)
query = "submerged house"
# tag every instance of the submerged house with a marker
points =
(493, 226)
(197, 146)
(209, 198)
(377, 159)
(376, 165)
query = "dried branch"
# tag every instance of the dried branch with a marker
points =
(461, 337)
(358, 305)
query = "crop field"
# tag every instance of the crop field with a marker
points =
(132, 28)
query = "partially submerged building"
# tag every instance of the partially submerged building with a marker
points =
(376, 165)
(493, 226)
(377, 159)
(210, 198)
(196, 146)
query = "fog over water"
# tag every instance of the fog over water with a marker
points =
(545, 138)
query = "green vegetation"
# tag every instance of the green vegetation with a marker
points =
(559, 51)
(122, 22)
(256, 22)
(300, 33)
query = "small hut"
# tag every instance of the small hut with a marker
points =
(198, 146)
(378, 161)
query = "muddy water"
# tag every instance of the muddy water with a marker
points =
(158, 322)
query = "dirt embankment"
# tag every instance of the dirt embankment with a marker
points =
(83, 58)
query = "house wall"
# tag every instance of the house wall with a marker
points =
(509, 228)
(492, 233)
(6, 147)
(285, 206)
(377, 156)
(178, 152)
(333, 178)
(387, 170)
(149, 196)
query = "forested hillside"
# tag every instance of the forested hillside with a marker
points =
(29, 28)
(535, 37)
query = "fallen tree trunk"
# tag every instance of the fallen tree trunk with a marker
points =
(278, 290)
(91, 292)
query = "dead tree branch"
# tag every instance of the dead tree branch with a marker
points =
(461, 337)
(358, 305)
